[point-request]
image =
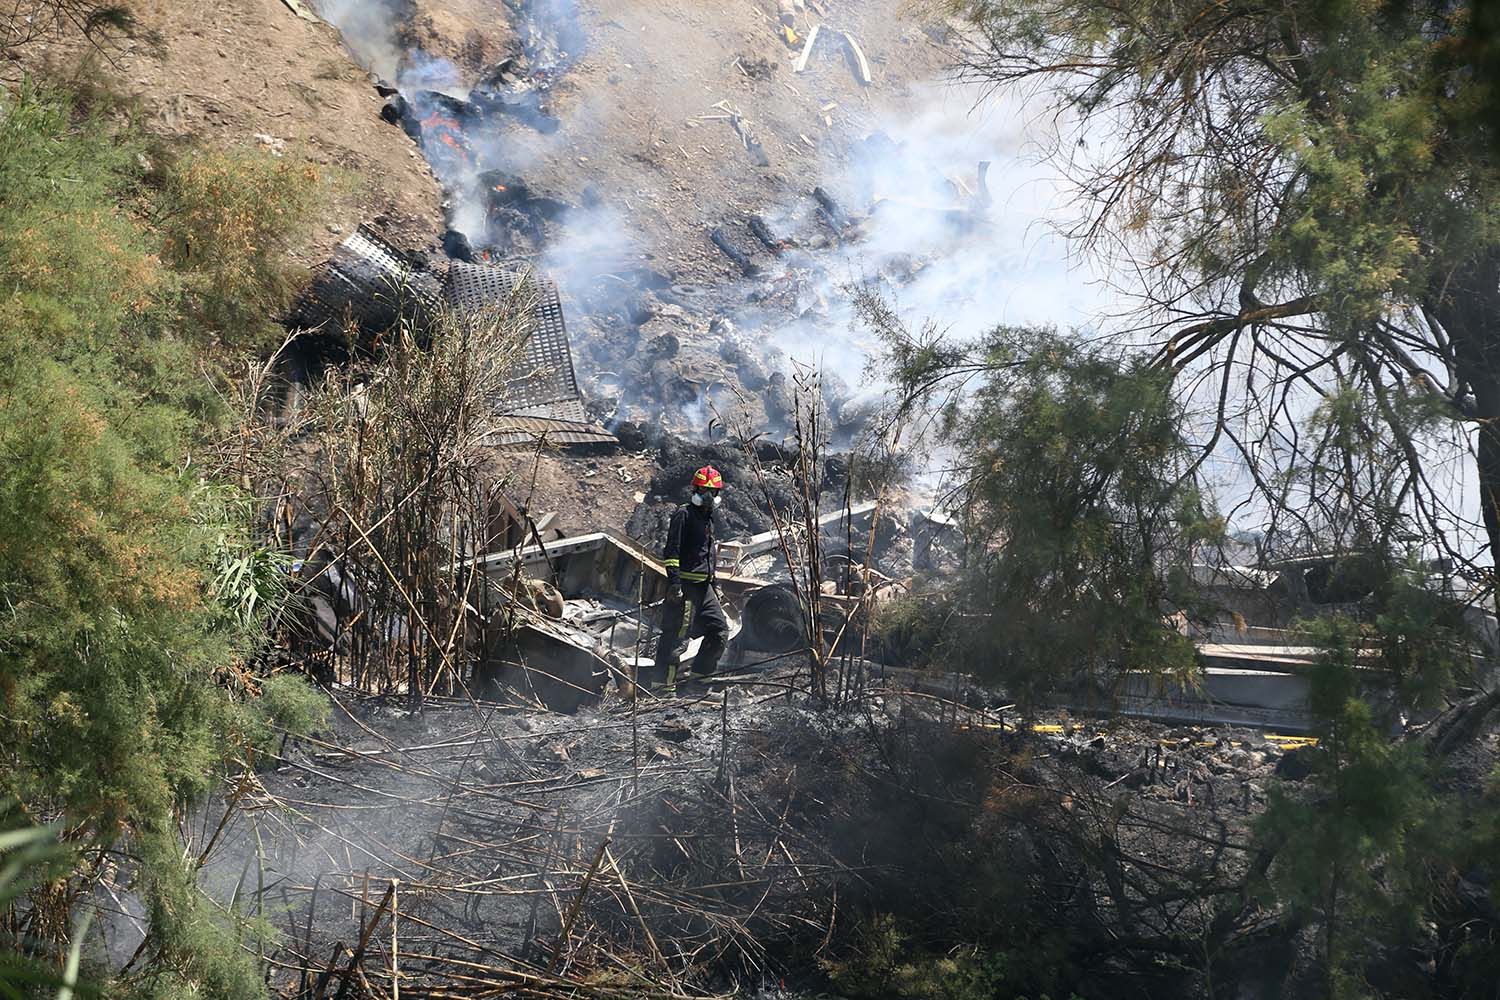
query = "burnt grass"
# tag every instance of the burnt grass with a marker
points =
(894, 849)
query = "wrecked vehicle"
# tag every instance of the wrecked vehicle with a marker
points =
(605, 627)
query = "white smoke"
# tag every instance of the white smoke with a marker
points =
(915, 190)
(936, 248)
(369, 28)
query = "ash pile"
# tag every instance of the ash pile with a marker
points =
(674, 357)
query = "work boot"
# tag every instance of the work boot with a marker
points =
(707, 660)
(670, 688)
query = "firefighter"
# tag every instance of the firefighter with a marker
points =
(692, 602)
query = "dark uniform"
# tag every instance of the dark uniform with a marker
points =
(689, 559)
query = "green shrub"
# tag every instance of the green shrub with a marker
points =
(914, 629)
(131, 590)
(1356, 845)
(884, 960)
(290, 703)
(228, 218)
(1079, 502)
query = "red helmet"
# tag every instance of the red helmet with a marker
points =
(708, 478)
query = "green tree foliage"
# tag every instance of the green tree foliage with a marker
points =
(1308, 192)
(1366, 851)
(228, 219)
(1080, 506)
(130, 589)
(1356, 848)
(885, 962)
(1474, 930)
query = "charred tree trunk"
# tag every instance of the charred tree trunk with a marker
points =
(1467, 304)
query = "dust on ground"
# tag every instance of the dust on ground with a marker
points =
(596, 492)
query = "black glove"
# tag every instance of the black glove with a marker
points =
(674, 591)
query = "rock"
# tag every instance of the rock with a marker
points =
(662, 347)
(1296, 765)
(672, 387)
(674, 730)
(779, 400)
(734, 351)
(642, 307)
(276, 147)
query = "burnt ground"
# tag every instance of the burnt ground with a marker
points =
(732, 871)
(663, 162)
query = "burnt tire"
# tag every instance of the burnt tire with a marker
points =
(772, 620)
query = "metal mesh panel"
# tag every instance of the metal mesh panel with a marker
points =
(514, 430)
(542, 383)
(367, 283)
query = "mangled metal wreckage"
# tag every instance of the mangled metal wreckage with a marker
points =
(582, 613)
(369, 285)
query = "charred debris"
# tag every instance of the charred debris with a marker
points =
(655, 348)
(585, 598)
(505, 805)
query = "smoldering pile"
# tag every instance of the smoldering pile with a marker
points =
(680, 357)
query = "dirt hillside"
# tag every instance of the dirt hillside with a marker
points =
(647, 110)
(252, 72)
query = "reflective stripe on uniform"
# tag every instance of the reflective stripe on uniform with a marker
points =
(694, 577)
(671, 562)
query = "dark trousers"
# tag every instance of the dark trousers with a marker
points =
(697, 613)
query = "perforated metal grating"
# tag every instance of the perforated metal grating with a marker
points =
(542, 382)
(368, 284)
(516, 430)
